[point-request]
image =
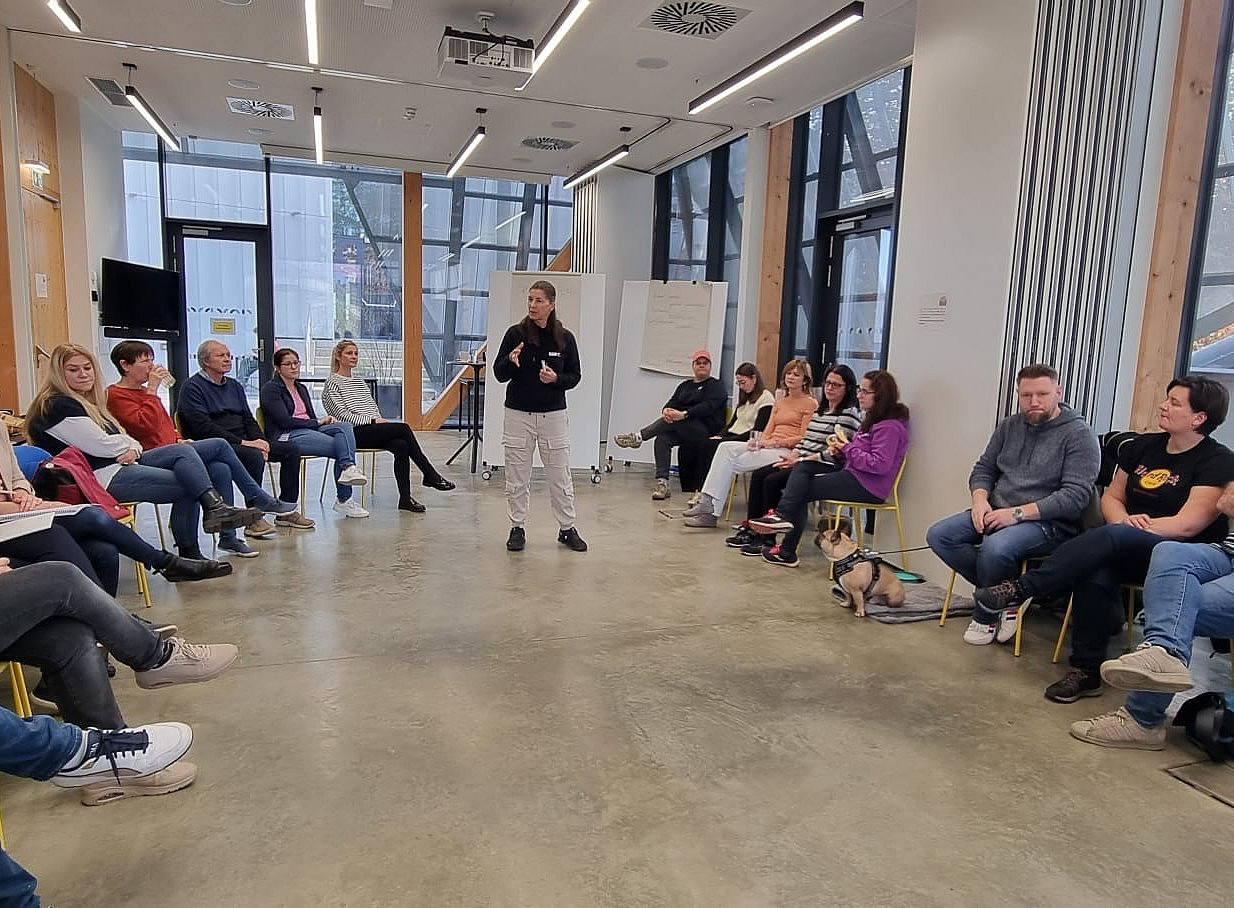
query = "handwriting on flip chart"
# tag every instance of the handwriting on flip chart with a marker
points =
(677, 323)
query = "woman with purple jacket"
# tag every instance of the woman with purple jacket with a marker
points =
(872, 460)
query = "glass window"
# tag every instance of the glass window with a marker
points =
(143, 215)
(691, 193)
(734, 212)
(1211, 348)
(216, 181)
(871, 141)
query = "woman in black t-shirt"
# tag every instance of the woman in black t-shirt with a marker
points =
(1166, 487)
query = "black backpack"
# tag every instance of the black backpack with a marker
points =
(1209, 722)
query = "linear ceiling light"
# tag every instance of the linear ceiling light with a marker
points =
(66, 14)
(586, 174)
(318, 142)
(155, 121)
(310, 28)
(565, 22)
(833, 24)
(472, 144)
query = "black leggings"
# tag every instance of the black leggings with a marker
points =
(399, 440)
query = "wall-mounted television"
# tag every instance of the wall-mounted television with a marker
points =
(138, 299)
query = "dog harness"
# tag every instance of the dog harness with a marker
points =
(848, 562)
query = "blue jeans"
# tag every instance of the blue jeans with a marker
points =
(337, 440)
(1188, 593)
(225, 468)
(1093, 566)
(104, 539)
(990, 558)
(34, 748)
(172, 473)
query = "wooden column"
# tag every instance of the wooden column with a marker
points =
(1180, 187)
(413, 298)
(775, 239)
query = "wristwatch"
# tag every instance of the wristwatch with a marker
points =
(1018, 514)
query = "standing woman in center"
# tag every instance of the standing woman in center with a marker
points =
(539, 359)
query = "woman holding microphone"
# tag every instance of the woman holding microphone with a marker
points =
(539, 359)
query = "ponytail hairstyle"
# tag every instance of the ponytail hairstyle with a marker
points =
(54, 385)
(337, 353)
(749, 370)
(553, 326)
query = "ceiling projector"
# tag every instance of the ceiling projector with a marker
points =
(484, 59)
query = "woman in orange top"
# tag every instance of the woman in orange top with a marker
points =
(785, 428)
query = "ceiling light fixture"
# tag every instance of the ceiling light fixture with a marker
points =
(565, 22)
(155, 121)
(310, 28)
(66, 14)
(472, 144)
(808, 39)
(318, 142)
(591, 170)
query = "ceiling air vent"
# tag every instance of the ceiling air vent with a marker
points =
(267, 110)
(695, 18)
(548, 143)
(109, 89)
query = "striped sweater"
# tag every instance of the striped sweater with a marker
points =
(824, 424)
(347, 398)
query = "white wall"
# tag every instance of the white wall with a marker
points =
(963, 151)
(622, 230)
(73, 220)
(103, 170)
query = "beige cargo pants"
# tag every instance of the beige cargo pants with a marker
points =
(522, 433)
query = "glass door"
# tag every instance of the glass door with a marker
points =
(855, 256)
(228, 295)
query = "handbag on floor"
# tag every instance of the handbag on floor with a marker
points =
(1209, 722)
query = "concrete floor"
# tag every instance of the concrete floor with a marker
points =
(421, 718)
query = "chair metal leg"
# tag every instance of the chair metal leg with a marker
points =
(303, 480)
(947, 600)
(1131, 592)
(903, 544)
(1062, 632)
(321, 496)
(1019, 626)
(732, 493)
(158, 522)
(21, 696)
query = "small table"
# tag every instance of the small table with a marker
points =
(475, 416)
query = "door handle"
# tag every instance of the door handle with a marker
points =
(261, 350)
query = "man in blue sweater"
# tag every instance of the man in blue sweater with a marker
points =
(1029, 489)
(214, 405)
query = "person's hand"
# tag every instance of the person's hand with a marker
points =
(4, 566)
(157, 374)
(128, 457)
(547, 375)
(27, 501)
(259, 443)
(981, 509)
(786, 462)
(999, 519)
(514, 354)
(1139, 521)
(326, 420)
(380, 419)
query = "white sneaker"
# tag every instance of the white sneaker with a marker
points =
(979, 634)
(1008, 621)
(352, 477)
(127, 753)
(350, 508)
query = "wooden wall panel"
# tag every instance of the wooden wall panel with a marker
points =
(413, 298)
(9, 398)
(775, 239)
(1180, 188)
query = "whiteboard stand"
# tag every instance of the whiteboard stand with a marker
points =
(580, 307)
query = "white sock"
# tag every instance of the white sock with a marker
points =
(79, 755)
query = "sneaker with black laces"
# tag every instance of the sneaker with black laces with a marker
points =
(772, 523)
(572, 540)
(126, 753)
(778, 555)
(757, 546)
(260, 529)
(517, 541)
(235, 545)
(295, 520)
(1001, 596)
(1072, 686)
(741, 538)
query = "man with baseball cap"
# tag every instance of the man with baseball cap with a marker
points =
(692, 414)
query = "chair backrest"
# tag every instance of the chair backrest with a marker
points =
(260, 416)
(895, 487)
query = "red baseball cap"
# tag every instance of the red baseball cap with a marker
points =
(700, 354)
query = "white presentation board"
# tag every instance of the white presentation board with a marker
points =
(639, 394)
(580, 307)
(676, 322)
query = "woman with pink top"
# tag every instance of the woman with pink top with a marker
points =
(872, 460)
(785, 428)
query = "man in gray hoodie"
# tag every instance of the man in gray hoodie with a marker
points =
(1030, 488)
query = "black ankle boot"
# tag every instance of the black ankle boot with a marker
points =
(410, 504)
(217, 515)
(178, 570)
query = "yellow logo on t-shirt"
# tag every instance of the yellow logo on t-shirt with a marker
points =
(1154, 479)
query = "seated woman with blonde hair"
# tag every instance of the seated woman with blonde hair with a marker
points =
(347, 398)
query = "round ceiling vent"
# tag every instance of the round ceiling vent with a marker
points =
(548, 143)
(696, 18)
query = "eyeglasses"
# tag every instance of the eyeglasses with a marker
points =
(289, 362)
(865, 390)
(834, 385)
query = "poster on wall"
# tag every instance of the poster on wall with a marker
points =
(677, 322)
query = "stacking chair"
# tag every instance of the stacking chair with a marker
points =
(304, 459)
(891, 504)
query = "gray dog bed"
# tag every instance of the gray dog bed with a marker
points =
(922, 602)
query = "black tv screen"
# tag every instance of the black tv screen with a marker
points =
(137, 298)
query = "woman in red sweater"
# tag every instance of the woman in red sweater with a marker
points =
(134, 401)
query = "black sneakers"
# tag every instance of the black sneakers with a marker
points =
(1001, 597)
(517, 541)
(1075, 684)
(572, 540)
(743, 536)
